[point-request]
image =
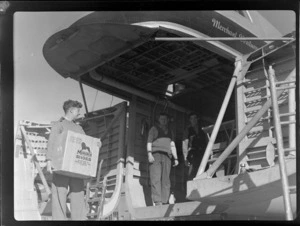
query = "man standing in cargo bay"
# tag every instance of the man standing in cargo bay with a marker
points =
(193, 145)
(161, 147)
(60, 182)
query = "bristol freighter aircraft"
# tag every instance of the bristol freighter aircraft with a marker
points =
(233, 68)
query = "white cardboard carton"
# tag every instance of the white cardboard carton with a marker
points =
(78, 155)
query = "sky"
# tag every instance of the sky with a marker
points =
(39, 91)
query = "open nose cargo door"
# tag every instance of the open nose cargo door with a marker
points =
(74, 51)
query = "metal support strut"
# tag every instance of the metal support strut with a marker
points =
(83, 96)
(238, 67)
(280, 150)
(222, 39)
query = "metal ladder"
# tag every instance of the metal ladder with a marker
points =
(95, 196)
(260, 143)
(278, 131)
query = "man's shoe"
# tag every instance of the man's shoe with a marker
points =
(157, 203)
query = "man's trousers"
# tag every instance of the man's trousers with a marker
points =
(160, 178)
(60, 185)
(194, 157)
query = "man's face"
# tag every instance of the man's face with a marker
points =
(163, 120)
(74, 112)
(193, 120)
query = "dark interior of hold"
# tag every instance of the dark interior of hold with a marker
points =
(154, 65)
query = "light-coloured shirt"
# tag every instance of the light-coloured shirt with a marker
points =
(160, 140)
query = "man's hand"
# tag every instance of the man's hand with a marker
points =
(187, 163)
(150, 157)
(49, 166)
(176, 162)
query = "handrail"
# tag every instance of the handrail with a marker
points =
(35, 160)
(223, 126)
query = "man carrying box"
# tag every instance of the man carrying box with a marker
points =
(61, 183)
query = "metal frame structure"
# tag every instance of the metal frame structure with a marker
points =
(238, 67)
(222, 39)
(83, 95)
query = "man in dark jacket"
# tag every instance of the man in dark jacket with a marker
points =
(61, 183)
(193, 145)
